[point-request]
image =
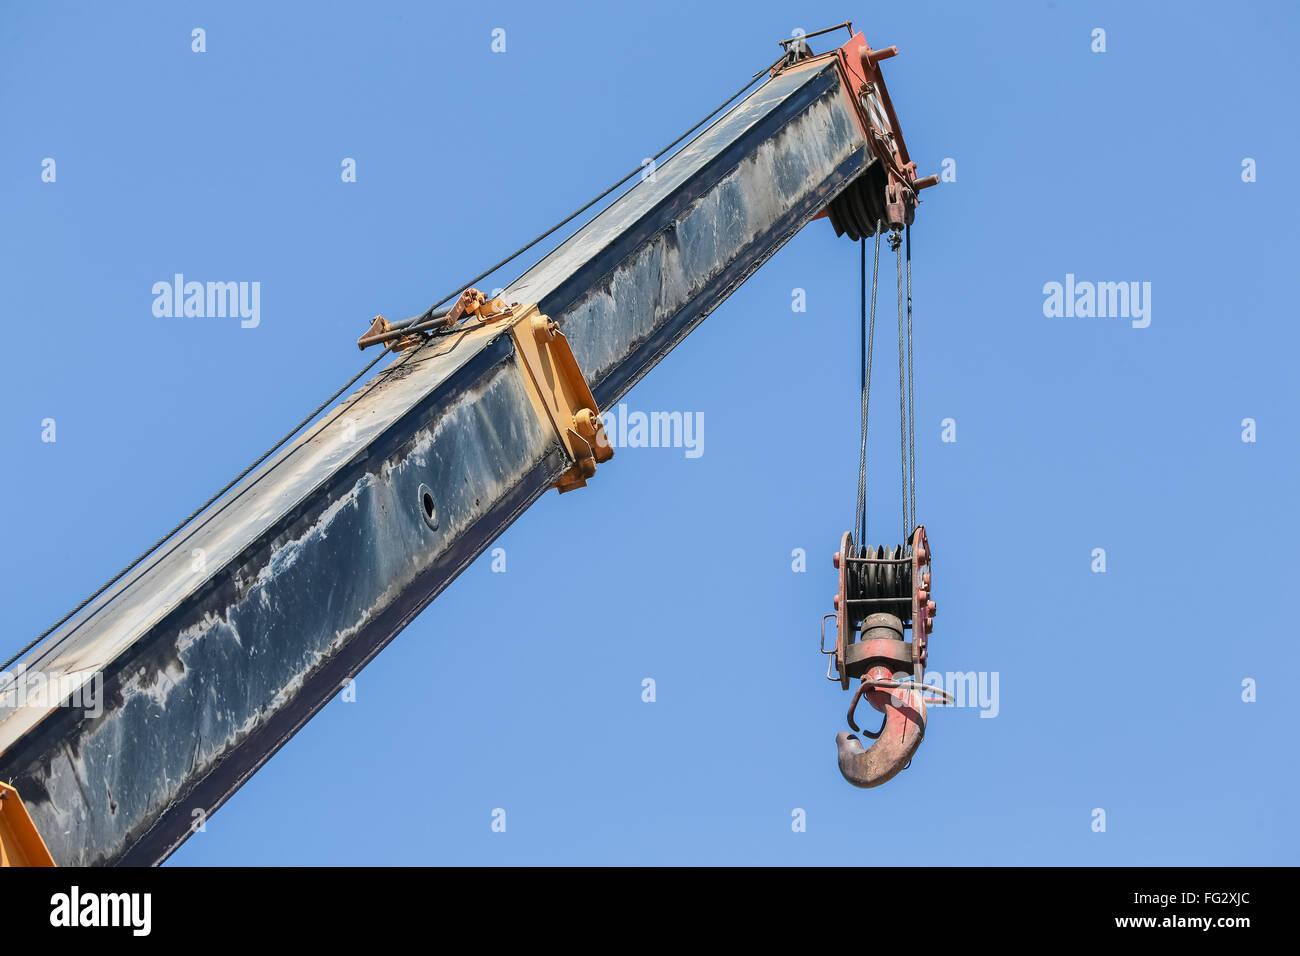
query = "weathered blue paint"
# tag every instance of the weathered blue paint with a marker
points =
(220, 647)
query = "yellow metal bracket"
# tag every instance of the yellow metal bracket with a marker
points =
(556, 386)
(559, 391)
(20, 842)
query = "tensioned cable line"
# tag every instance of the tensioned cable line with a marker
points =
(911, 379)
(906, 385)
(427, 315)
(868, 346)
(194, 514)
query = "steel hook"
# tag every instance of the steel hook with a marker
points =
(899, 736)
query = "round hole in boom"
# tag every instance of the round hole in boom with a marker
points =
(428, 509)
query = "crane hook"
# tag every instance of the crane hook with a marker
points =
(883, 593)
(901, 733)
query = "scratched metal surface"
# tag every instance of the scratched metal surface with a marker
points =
(321, 557)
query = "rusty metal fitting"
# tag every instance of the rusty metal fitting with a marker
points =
(468, 304)
(871, 57)
(896, 742)
(493, 309)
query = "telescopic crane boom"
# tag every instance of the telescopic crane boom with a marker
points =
(319, 557)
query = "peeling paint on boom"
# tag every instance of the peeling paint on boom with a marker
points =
(317, 560)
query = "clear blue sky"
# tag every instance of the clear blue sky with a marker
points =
(1120, 691)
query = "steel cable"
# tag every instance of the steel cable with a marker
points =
(424, 316)
(902, 388)
(194, 514)
(911, 381)
(868, 348)
(352, 381)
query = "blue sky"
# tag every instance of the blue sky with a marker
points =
(1119, 690)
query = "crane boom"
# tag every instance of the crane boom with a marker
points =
(226, 641)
